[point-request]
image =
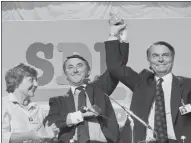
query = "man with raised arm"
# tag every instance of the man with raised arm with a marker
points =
(157, 95)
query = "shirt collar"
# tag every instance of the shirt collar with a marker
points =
(13, 99)
(166, 78)
(73, 88)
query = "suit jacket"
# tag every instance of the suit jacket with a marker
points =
(143, 86)
(62, 105)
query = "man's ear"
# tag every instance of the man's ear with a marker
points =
(88, 74)
(148, 56)
(149, 63)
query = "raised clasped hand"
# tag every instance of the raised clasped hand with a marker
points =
(117, 27)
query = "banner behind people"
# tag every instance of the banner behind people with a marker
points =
(45, 45)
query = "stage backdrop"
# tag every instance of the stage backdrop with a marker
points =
(45, 44)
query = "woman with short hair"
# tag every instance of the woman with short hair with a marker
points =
(22, 119)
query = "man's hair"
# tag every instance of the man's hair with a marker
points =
(170, 47)
(15, 75)
(78, 57)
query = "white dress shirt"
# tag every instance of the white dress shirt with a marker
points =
(95, 131)
(167, 86)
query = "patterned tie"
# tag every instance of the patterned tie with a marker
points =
(82, 131)
(160, 116)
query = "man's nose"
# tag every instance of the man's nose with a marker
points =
(161, 59)
(75, 70)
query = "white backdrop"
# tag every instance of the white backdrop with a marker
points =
(64, 27)
(17, 36)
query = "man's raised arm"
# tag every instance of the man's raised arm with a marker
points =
(117, 57)
(107, 82)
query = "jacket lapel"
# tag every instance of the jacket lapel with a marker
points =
(89, 91)
(176, 94)
(151, 92)
(70, 102)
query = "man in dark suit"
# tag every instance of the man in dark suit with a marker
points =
(157, 95)
(99, 123)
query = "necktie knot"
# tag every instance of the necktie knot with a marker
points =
(80, 88)
(160, 80)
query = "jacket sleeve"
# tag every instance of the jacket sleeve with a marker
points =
(107, 81)
(112, 125)
(186, 119)
(54, 115)
(116, 60)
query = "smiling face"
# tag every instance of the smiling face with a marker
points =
(76, 71)
(160, 59)
(28, 86)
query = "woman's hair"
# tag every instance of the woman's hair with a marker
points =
(15, 75)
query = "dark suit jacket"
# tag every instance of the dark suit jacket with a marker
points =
(143, 86)
(62, 105)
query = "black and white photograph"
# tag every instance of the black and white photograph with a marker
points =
(95, 71)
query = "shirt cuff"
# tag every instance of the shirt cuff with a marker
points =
(111, 38)
(77, 117)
